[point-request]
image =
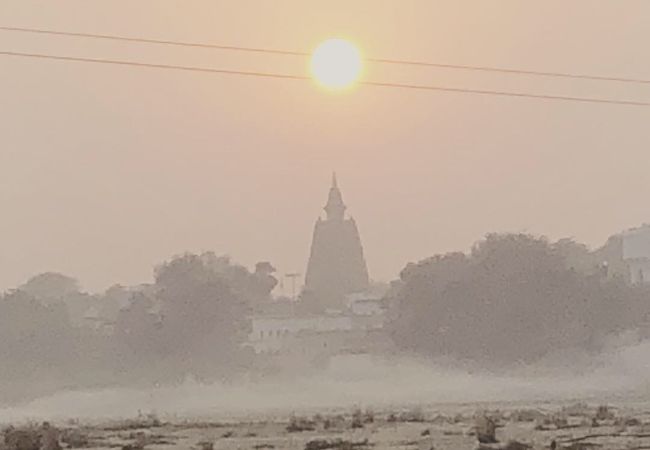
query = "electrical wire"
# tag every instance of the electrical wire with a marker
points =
(304, 54)
(302, 77)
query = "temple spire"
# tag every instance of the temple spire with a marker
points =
(336, 267)
(335, 208)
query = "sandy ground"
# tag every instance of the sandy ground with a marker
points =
(575, 426)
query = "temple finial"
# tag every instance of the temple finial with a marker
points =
(335, 208)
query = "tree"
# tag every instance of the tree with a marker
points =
(37, 343)
(515, 297)
(204, 311)
(255, 287)
(50, 286)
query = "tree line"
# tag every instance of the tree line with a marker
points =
(191, 320)
(514, 298)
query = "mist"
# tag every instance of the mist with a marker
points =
(620, 374)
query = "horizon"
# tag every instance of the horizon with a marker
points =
(282, 275)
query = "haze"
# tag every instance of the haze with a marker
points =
(106, 171)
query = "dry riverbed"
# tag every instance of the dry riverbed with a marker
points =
(577, 426)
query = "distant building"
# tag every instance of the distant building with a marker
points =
(300, 340)
(636, 253)
(338, 313)
(627, 255)
(336, 266)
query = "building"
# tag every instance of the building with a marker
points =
(337, 313)
(336, 267)
(303, 341)
(636, 254)
(627, 255)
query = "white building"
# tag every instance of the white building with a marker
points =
(636, 253)
(626, 256)
(328, 332)
(271, 334)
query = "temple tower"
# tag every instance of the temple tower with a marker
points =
(336, 265)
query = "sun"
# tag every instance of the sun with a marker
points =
(336, 64)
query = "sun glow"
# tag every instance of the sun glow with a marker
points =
(336, 64)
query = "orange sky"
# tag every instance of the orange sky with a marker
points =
(106, 171)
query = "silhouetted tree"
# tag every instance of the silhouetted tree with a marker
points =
(37, 343)
(204, 313)
(514, 298)
(54, 288)
(50, 286)
(137, 338)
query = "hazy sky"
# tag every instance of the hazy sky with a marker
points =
(106, 171)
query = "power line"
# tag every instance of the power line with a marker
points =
(156, 66)
(155, 41)
(507, 93)
(299, 53)
(302, 77)
(514, 71)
